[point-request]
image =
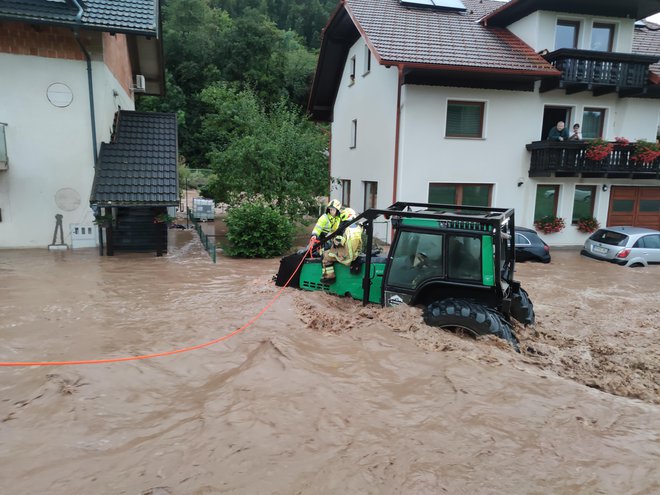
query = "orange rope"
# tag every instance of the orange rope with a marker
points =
(167, 353)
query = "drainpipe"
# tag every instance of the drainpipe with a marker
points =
(396, 136)
(88, 58)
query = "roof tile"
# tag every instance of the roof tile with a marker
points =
(142, 171)
(436, 37)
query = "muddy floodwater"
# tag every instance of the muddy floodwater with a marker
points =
(320, 395)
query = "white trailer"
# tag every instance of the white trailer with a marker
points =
(203, 209)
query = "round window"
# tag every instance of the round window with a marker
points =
(59, 94)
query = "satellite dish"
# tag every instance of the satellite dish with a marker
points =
(67, 199)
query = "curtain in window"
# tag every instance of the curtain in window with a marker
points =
(464, 119)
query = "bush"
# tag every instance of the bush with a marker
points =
(258, 231)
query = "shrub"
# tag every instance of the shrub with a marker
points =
(549, 224)
(587, 224)
(258, 231)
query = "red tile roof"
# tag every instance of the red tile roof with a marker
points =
(646, 40)
(410, 35)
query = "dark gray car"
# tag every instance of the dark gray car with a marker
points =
(628, 246)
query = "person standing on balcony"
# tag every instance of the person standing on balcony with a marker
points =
(558, 132)
(577, 135)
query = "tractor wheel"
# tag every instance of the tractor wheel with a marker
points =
(463, 316)
(522, 308)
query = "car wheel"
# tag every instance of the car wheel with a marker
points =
(522, 308)
(468, 317)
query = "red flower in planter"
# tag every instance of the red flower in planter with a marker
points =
(587, 225)
(598, 150)
(549, 224)
(621, 140)
(645, 152)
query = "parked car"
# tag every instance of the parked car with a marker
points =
(530, 247)
(628, 246)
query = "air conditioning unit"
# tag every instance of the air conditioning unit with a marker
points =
(140, 85)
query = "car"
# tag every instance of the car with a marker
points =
(626, 245)
(530, 247)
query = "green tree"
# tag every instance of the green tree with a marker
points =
(278, 156)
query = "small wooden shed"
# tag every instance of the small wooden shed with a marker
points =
(135, 182)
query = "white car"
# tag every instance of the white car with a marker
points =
(628, 246)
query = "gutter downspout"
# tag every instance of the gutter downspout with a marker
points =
(395, 182)
(88, 59)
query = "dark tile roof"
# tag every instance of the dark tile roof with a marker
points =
(139, 166)
(404, 34)
(121, 16)
(646, 40)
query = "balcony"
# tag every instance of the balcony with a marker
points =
(567, 159)
(599, 72)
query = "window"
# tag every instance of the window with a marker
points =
(3, 147)
(465, 119)
(566, 34)
(649, 242)
(367, 60)
(370, 195)
(546, 201)
(521, 240)
(417, 257)
(352, 68)
(353, 133)
(602, 37)
(583, 202)
(464, 257)
(593, 122)
(346, 192)
(460, 194)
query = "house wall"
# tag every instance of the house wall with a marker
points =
(371, 100)
(40, 41)
(51, 162)
(511, 120)
(116, 58)
(538, 30)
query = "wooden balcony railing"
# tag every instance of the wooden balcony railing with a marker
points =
(600, 72)
(567, 159)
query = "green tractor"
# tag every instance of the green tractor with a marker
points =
(455, 261)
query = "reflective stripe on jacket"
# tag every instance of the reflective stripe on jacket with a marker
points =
(326, 225)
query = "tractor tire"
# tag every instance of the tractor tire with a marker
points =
(522, 308)
(464, 316)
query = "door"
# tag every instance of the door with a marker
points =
(552, 115)
(637, 206)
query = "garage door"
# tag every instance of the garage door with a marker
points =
(638, 206)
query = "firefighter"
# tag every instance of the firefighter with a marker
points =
(345, 249)
(328, 222)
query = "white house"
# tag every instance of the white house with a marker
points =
(66, 68)
(451, 101)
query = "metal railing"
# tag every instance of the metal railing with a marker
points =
(208, 241)
(569, 158)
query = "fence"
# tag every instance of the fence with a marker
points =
(208, 241)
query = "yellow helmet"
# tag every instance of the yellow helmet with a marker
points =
(335, 203)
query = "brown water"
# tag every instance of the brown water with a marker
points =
(320, 395)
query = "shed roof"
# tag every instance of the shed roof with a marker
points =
(121, 16)
(138, 168)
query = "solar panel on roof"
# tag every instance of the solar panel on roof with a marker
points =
(455, 5)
